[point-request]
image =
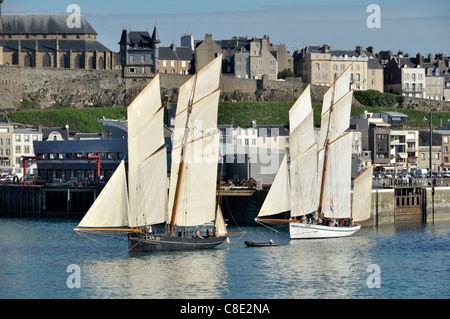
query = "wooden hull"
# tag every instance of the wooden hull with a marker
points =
(253, 244)
(150, 243)
(299, 230)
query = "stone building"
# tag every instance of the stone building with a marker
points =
(46, 41)
(139, 53)
(142, 56)
(419, 76)
(322, 65)
(243, 57)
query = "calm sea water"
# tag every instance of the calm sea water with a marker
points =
(410, 261)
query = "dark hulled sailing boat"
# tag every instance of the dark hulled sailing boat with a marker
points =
(144, 200)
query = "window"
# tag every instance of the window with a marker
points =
(445, 139)
(317, 66)
(260, 61)
(324, 66)
(26, 149)
(131, 58)
(142, 58)
(335, 67)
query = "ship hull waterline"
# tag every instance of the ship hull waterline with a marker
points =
(141, 243)
(298, 230)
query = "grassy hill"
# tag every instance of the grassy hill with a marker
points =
(240, 113)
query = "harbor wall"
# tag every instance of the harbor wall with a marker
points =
(74, 202)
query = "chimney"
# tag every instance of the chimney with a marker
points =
(360, 50)
(419, 59)
(370, 49)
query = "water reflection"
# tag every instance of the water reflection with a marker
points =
(198, 274)
(413, 259)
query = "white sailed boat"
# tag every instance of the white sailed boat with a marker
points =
(145, 201)
(314, 180)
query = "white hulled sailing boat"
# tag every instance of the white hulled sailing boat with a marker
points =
(313, 181)
(145, 201)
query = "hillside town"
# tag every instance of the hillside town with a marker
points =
(380, 138)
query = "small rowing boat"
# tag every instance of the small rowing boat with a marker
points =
(253, 244)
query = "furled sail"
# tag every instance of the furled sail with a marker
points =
(146, 160)
(110, 209)
(362, 195)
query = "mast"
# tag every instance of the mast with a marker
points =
(327, 143)
(183, 151)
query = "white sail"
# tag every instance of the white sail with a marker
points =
(221, 227)
(196, 135)
(340, 120)
(149, 200)
(338, 89)
(197, 195)
(300, 109)
(304, 186)
(199, 86)
(110, 209)
(362, 195)
(302, 137)
(334, 93)
(278, 199)
(336, 199)
(147, 173)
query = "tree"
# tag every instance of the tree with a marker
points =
(286, 73)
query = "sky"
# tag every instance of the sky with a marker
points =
(411, 26)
